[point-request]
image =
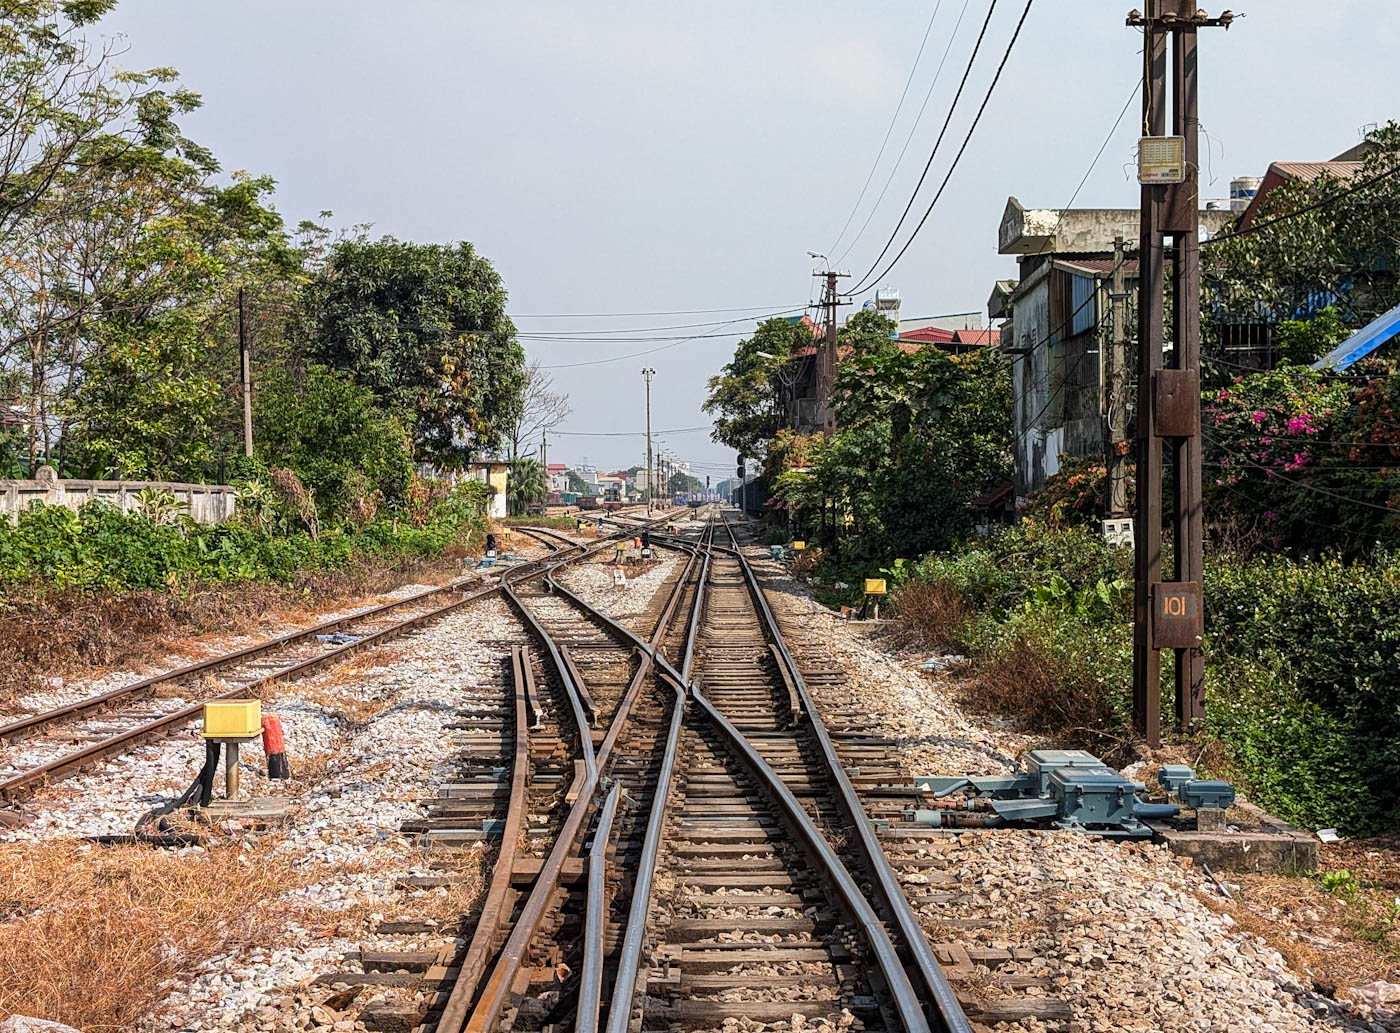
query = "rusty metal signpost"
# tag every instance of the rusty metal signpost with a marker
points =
(1168, 613)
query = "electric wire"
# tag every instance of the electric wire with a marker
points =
(1393, 510)
(1305, 210)
(941, 133)
(908, 139)
(890, 129)
(622, 315)
(868, 279)
(649, 351)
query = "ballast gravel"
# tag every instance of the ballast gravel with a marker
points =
(1121, 931)
(366, 744)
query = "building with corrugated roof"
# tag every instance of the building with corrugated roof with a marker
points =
(1056, 317)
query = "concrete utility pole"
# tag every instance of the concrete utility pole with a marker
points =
(647, 374)
(544, 456)
(1115, 403)
(247, 379)
(1168, 614)
(826, 355)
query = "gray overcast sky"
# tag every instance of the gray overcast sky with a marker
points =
(619, 157)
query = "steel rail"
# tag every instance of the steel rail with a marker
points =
(590, 991)
(61, 767)
(26, 726)
(896, 977)
(936, 986)
(498, 988)
(629, 961)
(473, 965)
(906, 1000)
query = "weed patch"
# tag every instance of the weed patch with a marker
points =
(100, 947)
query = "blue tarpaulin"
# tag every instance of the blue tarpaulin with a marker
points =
(1363, 342)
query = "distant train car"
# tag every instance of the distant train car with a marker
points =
(588, 502)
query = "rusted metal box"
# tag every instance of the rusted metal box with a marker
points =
(1176, 403)
(233, 719)
(1177, 621)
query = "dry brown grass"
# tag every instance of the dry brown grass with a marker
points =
(93, 936)
(1026, 682)
(457, 900)
(77, 634)
(929, 614)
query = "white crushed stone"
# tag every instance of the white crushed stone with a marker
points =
(1122, 929)
(346, 827)
(935, 735)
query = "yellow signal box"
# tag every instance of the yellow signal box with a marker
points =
(875, 586)
(233, 719)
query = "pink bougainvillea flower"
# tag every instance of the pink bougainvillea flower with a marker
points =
(1258, 417)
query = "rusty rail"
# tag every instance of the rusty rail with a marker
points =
(27, 781)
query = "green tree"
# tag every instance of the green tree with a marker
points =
(528, 485)
(146, 403)
(577, 483)
(868, 333)
(424, 327)
(684, 484)
(1328, 242)
(748, 397)
(330, 431)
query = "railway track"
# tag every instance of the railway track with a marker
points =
(42, 748)
(715, 861)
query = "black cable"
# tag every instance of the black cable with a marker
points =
(890, 129)
(928, 95)
(1258, 226)
(952, 108)
(867, 280)
(545, 334)
(661, 312)
(1300, 484)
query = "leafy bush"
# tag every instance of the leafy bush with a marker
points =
(348, 452)
(1328, 631)
(98, 547)
(1302, 659)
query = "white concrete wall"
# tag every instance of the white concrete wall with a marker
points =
(206, 503)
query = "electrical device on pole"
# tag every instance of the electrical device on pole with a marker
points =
(1168, 613)
(647, 374)
(247, 362)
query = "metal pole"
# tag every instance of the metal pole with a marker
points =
(247, 379)
(647, 374)
(1187, 517)
(1115, 405)
(231, 770)
(1147, 666)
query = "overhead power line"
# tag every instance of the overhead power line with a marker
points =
(868, 279)
(941, 133)
(621, 315)
(1326, 202)
(889, 129)
(720, 332)
(617, 333)
(909, 138)
(627, 433)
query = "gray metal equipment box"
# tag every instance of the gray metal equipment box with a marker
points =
(1041, 763)
(1093, 795)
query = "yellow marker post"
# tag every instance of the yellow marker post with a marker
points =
(232, 722)
(874, 589)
